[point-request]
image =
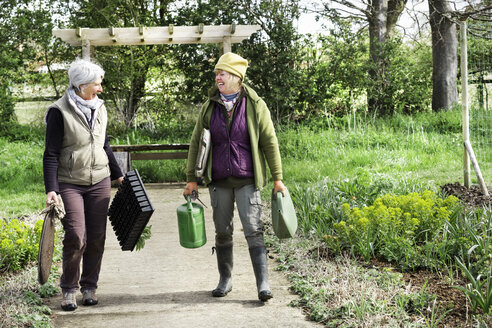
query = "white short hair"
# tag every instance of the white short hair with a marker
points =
(83, 72)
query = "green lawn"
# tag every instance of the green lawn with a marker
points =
(382, 148)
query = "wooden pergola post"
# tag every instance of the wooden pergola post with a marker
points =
(87, 50)
(226, 45)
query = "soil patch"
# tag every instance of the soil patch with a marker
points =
(472, 196)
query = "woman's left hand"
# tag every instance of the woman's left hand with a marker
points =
(120, 180)
(278, 185)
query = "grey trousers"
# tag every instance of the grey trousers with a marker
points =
(85, 233)
(248, 202)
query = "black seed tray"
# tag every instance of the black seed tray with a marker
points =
(130, 210)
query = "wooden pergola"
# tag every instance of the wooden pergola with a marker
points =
(87, 38)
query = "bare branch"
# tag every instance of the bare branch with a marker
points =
(480, 18)
(483, 36)
(469, 11)
(349, 4)
(257, 17)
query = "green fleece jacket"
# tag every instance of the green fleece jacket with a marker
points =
(264, 144)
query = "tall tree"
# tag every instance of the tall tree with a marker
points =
(275, 54)
(444, 55)
(381, 17)
(24, 29)
(127, 67)
(443, 21)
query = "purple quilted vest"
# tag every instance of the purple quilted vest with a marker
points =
(231, 150)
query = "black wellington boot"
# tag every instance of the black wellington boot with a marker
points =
(259, 260)
(224, 263)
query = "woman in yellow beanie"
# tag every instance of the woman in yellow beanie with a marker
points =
(243, 139)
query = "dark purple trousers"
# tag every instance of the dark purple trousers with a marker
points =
(84, 223)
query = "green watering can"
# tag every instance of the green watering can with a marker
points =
(191, 225)
(284, 218)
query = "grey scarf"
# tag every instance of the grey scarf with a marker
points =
(87, 107)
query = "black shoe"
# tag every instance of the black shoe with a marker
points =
(265, 295)
(218, 292)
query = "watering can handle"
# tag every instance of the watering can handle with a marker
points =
(190, 206)
(279, 201)
(190, 216)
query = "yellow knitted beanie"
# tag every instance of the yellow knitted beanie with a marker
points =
(232, 63)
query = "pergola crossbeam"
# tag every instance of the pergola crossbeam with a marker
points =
(120, 36)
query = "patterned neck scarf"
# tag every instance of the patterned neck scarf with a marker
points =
(87, 107)
(229, 101)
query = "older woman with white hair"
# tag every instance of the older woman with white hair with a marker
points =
(78, 164)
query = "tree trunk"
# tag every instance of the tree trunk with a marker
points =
(395, 8)
(382, 16)
(444, 55)
(376, 92)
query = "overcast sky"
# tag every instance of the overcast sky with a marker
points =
(414, 9)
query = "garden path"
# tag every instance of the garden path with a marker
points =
(166, 285)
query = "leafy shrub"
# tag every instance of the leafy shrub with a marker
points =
(394, 227)
(19, 244)
(318, 206)
(13, 131)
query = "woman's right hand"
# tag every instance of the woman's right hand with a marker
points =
(190, 186)
(51, 197)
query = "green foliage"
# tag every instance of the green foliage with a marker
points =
(318, 206)
(38, 316)
(19, 244)
(12, 132)
(311, 296)
(130, 71)
(50, 288)
(192, 65)
(21, 177)
(24, 30)
(415, 302)
(161, 171)
(146, 234)
(479, 289)
(275, 55)
(394, 226)
(468, 236)
(443, 122)
(410, 72)
(6, 104)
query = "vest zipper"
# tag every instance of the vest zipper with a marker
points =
(92, 155)
(70, 164)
